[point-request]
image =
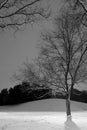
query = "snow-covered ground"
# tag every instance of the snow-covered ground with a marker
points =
(43, 115)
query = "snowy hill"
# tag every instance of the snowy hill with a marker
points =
(46, 114)
(48, 105)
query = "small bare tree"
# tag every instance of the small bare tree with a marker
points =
(63, 55)
(16, 13)
(30, 73)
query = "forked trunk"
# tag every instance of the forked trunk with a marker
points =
(68, 106)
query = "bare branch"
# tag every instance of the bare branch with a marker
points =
(17, 12)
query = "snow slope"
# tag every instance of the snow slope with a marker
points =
(48, 105)
(43, 114)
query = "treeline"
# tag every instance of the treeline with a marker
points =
(80, 96)
(26, 92)
(22, 93)
(77, 95)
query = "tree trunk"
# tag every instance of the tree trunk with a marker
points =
(68, 107)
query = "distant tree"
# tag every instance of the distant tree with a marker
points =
(16, 94)
(84, 96)
(4, 96)
(28, 73)
(11, 96)
(31, 81)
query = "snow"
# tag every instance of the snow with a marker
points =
(46, 114)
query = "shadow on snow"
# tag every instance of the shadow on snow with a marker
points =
(70, 125)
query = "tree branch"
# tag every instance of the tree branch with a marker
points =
(78, 66)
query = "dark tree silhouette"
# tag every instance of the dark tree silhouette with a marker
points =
(4, 96)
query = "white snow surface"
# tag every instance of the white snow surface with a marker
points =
(49, 114)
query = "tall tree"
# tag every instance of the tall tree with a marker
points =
(63, 55)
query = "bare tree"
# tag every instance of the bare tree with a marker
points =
(62, 63)
(63, 55)
(15, 13)
(30, 73)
